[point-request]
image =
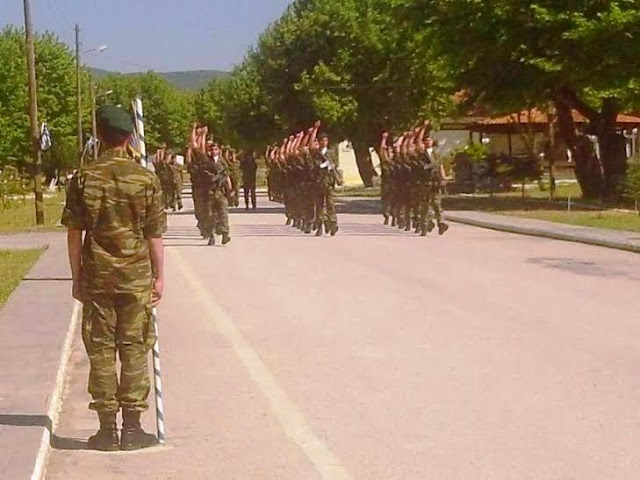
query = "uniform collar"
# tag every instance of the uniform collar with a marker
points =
(117, 152)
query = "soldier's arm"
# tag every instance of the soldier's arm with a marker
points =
(314, 133)
(383, 146)
(193, 140)
(443, 176)
(154, 227)
(74, 245)
(156, 254)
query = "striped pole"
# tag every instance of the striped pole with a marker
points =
(157, 380)
(139, 117)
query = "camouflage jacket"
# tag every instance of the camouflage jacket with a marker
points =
(119, 205)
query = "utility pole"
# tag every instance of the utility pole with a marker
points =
(94, 129)
(33, 114)
(79, 95)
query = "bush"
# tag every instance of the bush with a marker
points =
(13, 187)
(632, 182)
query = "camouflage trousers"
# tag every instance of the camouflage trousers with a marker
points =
(199, 203)
(215, 214)
(325, 206)
(169, 193)
(386, 193)
(434, 209)
(178, 194)
(118, 324)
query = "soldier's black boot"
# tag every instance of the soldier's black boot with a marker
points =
(334, 229)
(288, 221)
(319, 231)
(394, 222)
(226, 238)
(430, 226)
(442, 228)
(212, 240)
(106, 439)
(133, 436)
(386, 220)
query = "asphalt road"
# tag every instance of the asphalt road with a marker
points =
(380, 355)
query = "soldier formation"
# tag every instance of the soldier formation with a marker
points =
(302, 174)
(412, 181)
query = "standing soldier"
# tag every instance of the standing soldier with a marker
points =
(331, 178)
(249, 168)
(118, 275)
(176, 172)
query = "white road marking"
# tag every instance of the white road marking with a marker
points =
(287, 413)
(55, 403)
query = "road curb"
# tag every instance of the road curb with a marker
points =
(539, 232)
(56, 396)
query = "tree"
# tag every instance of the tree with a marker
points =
(347, 62)
(513, 54)
(236, 108)
(55, 71)
(168, 112)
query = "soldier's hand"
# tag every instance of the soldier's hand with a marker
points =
(158, 291)
(78, 292)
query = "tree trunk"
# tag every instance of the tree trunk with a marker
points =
(364, 162)
(587, 167)
(612, 149)
(612, 161)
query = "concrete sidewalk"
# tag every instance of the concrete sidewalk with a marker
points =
(618, 239)
(34, 327)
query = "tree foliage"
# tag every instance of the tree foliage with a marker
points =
(349, 63)
(168, 112)
(56, 77)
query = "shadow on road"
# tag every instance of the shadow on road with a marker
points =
(18, 420)
(62, 443)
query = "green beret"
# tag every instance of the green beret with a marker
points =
(115, 118)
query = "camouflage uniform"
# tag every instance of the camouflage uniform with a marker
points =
(198, 187)
(434, 200)
(249, 169)
(176, 171)
(326, 203)
(165, 174)
(233, 170)
(118, 218)
(214, 210)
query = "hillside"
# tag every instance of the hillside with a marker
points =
(187, 80)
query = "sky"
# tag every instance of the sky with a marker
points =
(159, 35)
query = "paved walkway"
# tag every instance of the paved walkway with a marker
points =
(618, 239)
(33, 328)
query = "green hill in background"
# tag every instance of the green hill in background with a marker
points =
(188, 80)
